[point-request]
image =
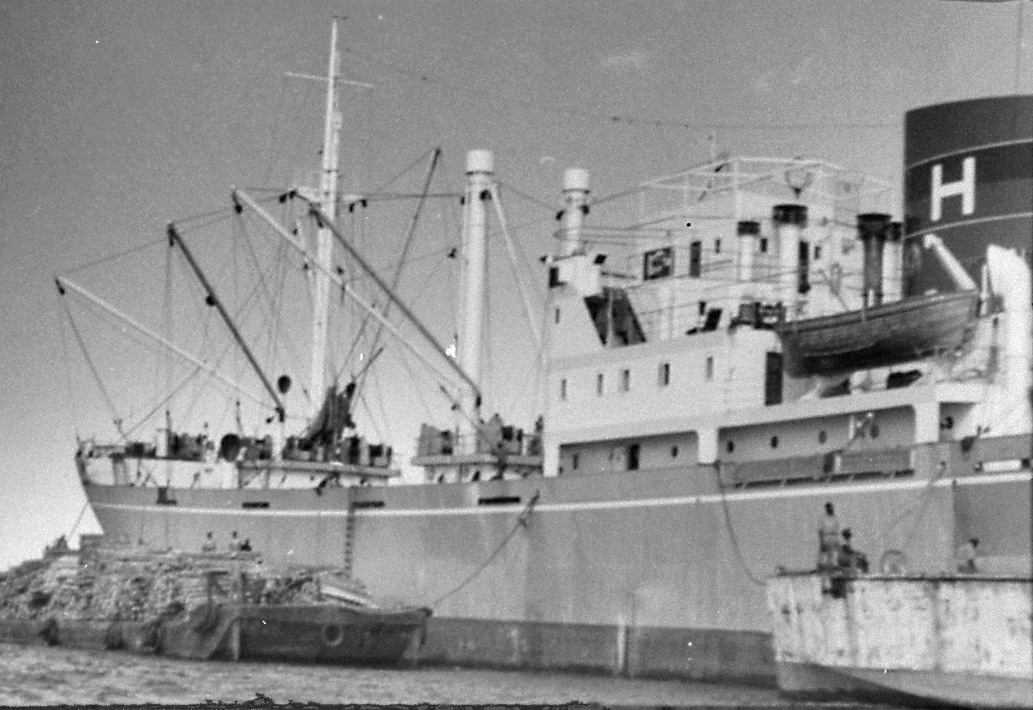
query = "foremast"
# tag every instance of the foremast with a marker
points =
(324, 237)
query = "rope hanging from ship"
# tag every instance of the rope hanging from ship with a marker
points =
(732, 537)
(522, 521)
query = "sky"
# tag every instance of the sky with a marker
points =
(118, 117)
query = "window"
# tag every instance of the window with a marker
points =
(563, 390)
(803, 266)
(773, 378)
(574, 461)
(763, 245)
(632, 457)
(774, 442)
(556, 315)
(625, 380)
(710, 368)
(695, 259)
(717, 246)
(663, 375)
(599, 384)
(674, 451)
(817, 252)
(730, 446)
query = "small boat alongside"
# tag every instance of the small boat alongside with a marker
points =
(329, 633)
(202, 607)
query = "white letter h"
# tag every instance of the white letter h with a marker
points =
(966, 187)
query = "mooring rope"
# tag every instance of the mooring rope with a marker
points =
(521, 522)
(733, 538)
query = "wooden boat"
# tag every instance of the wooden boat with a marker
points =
(878, 336)
(959, 640)
(329, 633)
(202, 607)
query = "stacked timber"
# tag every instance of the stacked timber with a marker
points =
(124, 585)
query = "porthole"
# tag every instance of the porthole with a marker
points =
(774, 442)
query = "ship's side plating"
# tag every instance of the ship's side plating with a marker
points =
(648, 575)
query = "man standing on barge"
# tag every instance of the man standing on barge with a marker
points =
(828, 539)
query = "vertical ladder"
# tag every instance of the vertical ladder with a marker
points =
(349, 538)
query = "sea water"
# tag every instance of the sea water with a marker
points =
(41, 675)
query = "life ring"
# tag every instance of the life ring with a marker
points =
(333, 635)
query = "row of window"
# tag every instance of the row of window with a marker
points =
(663, 378)
(632, 451)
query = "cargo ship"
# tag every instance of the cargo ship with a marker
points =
(693, 426)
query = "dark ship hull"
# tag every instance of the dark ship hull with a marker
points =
(329, 634)
(879, 336)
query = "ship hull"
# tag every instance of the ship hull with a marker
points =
(329, 634)
(652, 574)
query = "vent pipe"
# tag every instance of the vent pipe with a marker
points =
(748, 231)
(790, 220)
(893, 262)
(575, 207)
(873, 229)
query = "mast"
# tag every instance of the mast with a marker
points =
(324, 238)
(479, 171)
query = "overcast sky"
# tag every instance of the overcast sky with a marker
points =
(116, 117)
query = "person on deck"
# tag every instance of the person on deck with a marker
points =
(234, 545)
(209, 543)
(966, 557)
(850, 559)
(828, 539)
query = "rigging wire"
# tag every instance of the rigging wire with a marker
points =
(72, 399)
(115, 418)
(924, 497)
(398, 176)
(116, 255)
(169, 327)
(78, 518)
(406, 247)
(614, 118)
(277, 139)
(530, 198)
(172, 392)
(269, 322)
